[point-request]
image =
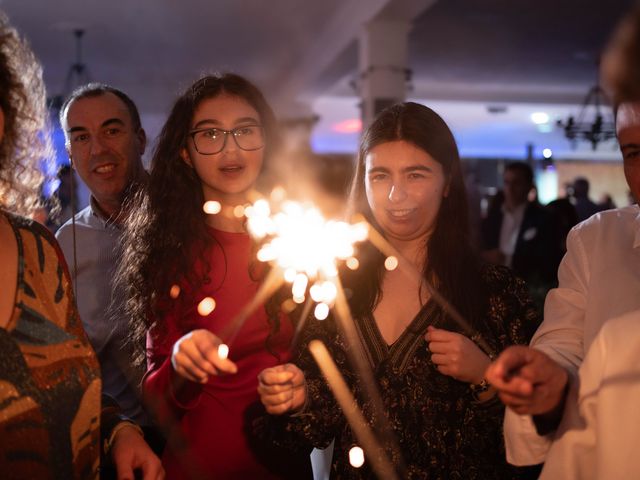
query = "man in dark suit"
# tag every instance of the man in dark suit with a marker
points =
(519, 233)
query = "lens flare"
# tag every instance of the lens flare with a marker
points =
(391, 263)
(212, 207)
(356, 457)
(353, 263)
(206, 306)
(321, 311)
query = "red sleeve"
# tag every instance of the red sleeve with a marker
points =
(165, 392)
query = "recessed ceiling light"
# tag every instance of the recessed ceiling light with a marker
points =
(539, 118)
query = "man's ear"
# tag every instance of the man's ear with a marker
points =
(185, 156)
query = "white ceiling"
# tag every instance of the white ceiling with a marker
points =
(528, 55)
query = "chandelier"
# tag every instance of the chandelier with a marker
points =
(591, 124)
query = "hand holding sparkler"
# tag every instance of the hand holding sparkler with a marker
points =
(528, 380)
(198, 355)
(282, 389)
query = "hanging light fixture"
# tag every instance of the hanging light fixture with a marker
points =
(591, 124)
(77, 75)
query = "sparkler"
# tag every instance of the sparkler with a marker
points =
(396, 260)
(307, 248)
(379, 461)
(304, 245)
(304, 249)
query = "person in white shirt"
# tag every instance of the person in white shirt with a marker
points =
(598, 435)
(599, 279)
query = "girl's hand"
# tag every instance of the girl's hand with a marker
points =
(195, 357)
(282, 389)
(456, 355)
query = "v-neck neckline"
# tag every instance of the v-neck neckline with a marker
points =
(400, 352)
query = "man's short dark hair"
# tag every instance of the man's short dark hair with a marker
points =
(523, 168)
(95, 89)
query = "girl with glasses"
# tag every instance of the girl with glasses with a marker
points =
(190, 273)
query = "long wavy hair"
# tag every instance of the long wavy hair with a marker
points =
(166, 226)
(26, 146)
(450, 261)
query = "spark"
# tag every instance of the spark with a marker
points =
(353, 263)
(238, 211)
(206, 306)
(391, 263)
(304, 245)
(356, 457)
(321, 311)
(211, 207)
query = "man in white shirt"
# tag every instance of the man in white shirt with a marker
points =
(599, 279)
(598, 436)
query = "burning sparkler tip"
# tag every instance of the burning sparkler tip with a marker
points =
(223, 351)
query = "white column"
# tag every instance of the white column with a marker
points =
(383, 66)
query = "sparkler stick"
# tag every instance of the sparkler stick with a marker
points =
(380, 463)
(411, 271)
(302, 321)
(307, 247)
(358, 359)
(268, 287)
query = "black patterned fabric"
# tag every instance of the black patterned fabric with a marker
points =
(442, 432)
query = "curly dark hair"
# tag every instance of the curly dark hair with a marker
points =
(26, 145)
(450, 261)
(166, 225)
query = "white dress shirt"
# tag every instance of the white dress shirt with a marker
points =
(600, 430)
(599, 279)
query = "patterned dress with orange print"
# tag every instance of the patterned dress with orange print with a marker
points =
(49, 376)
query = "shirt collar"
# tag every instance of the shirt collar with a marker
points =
(517, 211)
(99, 214)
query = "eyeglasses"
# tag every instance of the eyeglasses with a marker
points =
(209, 141)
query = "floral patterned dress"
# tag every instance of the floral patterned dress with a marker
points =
(49, 376)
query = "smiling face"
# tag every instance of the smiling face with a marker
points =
(404, 187)
(228, 175)
(104, 147)
(628, 131)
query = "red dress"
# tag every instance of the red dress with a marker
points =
(210, 424)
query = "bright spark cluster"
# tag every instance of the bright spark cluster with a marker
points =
(306, 246)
